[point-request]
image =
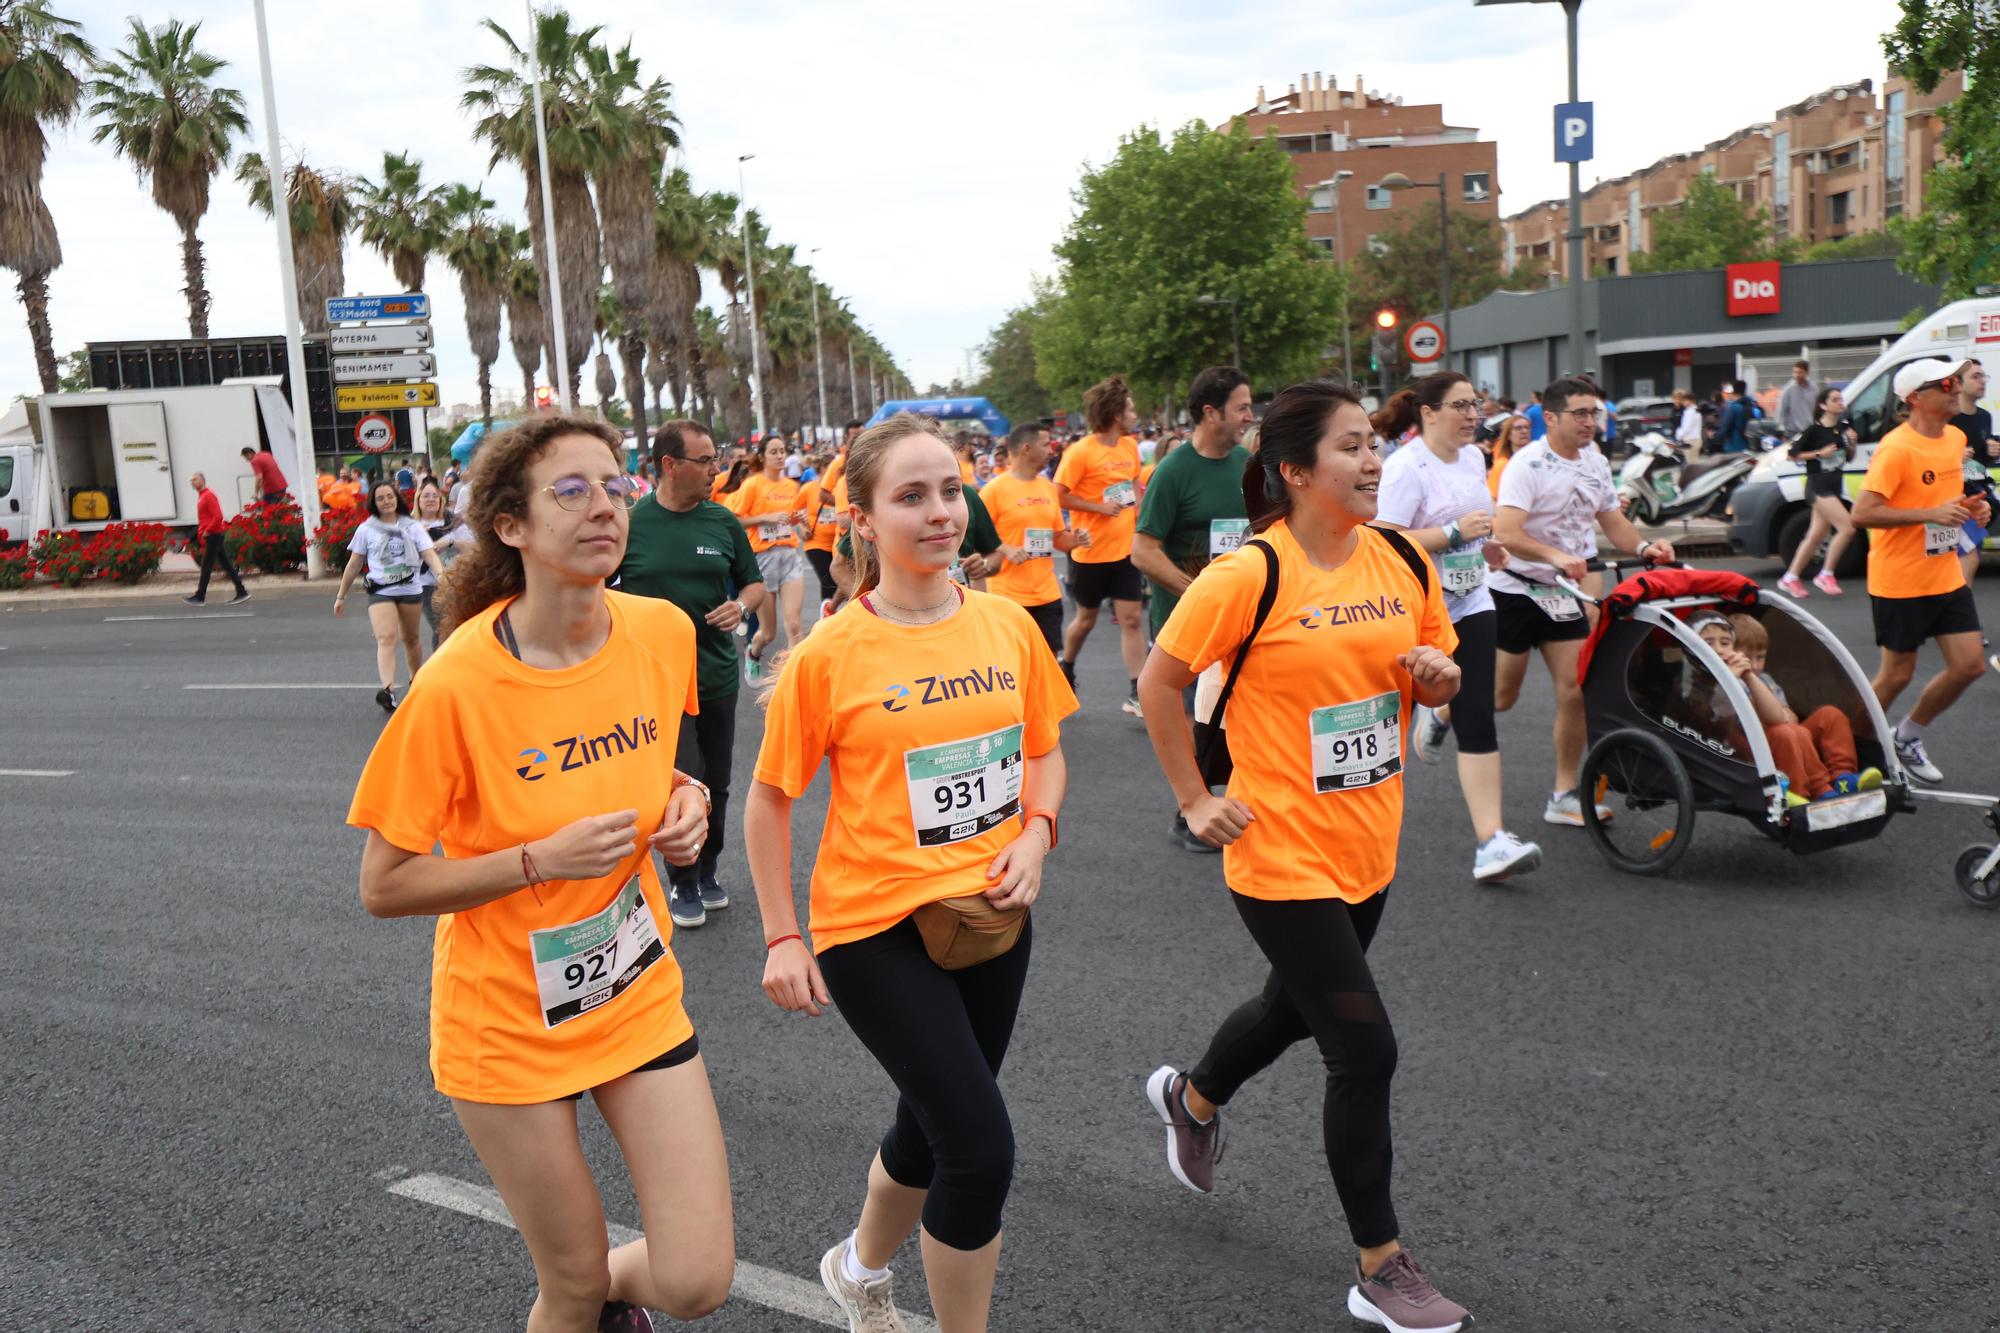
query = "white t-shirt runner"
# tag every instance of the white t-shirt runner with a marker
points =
(1562, 498)
(1421, 490)
(394, 553)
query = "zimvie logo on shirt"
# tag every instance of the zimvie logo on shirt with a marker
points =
(581, 751)
(943, 689)
(1352, 613)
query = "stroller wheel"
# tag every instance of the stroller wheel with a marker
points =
(1646, 784)
(1979, 891)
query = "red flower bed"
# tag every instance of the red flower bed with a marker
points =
(269, 538)
(336, 530)
(17, 566)
(124, 552)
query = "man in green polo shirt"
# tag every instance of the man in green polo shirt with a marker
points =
(693, 552)
(1193, 509)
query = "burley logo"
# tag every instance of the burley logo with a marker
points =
(1753, 288)
(581, 751)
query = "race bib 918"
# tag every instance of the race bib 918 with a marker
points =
(961, 789)
(1357, 744)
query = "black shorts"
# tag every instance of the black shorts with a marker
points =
(1824, 483)
(1090, 584)
(1903, 623)
(1048, 619)
(679, 1055)
(1520, 626)
(396, 599)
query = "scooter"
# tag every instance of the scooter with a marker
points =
(1656, 484)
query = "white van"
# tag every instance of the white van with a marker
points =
(1769, 509)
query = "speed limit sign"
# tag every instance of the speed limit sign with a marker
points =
(375, 433)
(1424, 341)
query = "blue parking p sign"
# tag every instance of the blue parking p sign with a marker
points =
(1574, 131)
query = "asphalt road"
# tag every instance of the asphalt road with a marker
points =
(1758, 1095)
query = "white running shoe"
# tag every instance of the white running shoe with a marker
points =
(1910, 754)
(1565, 808)
(1427, 733)
(1502, 855)
(869, 1306)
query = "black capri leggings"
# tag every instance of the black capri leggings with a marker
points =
(1472, 706)
(940, 1036)
(822, 563)
(1320, 986)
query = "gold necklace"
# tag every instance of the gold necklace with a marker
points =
(950, 597)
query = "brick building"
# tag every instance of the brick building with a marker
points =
(1327, 130)
(1840, 163)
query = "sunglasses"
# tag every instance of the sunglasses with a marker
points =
(573, 493)
(1949, 384)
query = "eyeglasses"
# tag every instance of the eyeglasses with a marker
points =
(573, 493)
(1465, 405)
(1582, 416)
(706, 460)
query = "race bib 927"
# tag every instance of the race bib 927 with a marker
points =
(589, 963)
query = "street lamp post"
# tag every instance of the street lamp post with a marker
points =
(1332, 184)
(750, 275)
(555, 305)
(819, 354)
(1396, 180)
(1235, 343)
(1574, 235)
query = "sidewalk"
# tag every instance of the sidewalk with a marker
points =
(178, 574)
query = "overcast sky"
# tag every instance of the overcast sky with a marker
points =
(928, 148)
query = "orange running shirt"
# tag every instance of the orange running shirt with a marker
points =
(715, 487)
(534, 1000)
(1025, 514)
(1317, 720)
(1913, 471)
(1090, 468)
(967, 473)
(760, 495)
(815, 509)
(926, 728)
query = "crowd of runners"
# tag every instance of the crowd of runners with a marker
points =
(1288, 610)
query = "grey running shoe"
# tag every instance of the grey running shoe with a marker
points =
(1428, 732)
(1502, 855)
(1193, 1148)
(1401, 1299)
(869, 1306)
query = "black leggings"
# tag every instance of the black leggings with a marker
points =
(822, 563)
(1049, 620)
(1472, 706)
(940, 1036)
(1320, 987)
(707, 751)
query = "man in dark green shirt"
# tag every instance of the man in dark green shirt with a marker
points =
(1192, 510)
(693, 552)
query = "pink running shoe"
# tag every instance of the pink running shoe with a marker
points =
(1399, 1297)
(1827, 583)
(1793, 586)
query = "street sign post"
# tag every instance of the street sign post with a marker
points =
(1575, 132)
(1424, 341)
(380, 338)
(353, 309)
(375, 433)
(369, 397)
(361, 369)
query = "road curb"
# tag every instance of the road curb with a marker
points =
(155, 593)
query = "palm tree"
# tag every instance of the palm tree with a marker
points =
(635, 125)
(320, 210)
(401, 220)
(474, 248)
(159, 106)
(41, 58)
(610, 327)
(503, 98)
(688, 231)
(527, 320)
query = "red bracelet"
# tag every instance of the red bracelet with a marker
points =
(528, 869)
(772, 944)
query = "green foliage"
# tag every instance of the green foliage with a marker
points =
(1167, 221)
(1954, 244)
(17, 566)
(1708, 228)
(73, 372)
(1401, 270)
(1009, 380)
(1863, 245)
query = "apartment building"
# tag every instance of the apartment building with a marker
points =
(1839, 163)
(1328, 130)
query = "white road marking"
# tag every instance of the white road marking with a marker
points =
(285, 686)
(758, 1285)
(37, 772)
(189, 615)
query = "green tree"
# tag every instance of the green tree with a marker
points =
(474, 246)
(42, 60)
(1165, 222)
(320, 207)
(158, 104)
(1401, 269)
(400, 218)
(1861, 245)
(1954, 244)
(1009, 380)
(1708, 228)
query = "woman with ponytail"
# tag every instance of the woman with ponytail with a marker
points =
(552, 976)
(1309, 820)
(937, 708)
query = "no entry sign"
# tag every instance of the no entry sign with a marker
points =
(375, 433)
(1424, 341)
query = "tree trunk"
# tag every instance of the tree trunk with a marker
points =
(632, 347)
(486, 393)
(196, 289)
(34, 289)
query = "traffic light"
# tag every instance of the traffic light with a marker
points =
(1382, 347)
(1385, 319)
(545, 398)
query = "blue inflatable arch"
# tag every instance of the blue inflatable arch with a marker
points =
(948, 409)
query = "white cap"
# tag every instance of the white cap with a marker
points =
(1919, 373)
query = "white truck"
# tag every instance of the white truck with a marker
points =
(83, 460)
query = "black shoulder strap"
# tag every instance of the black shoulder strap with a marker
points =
(1406, 548)
(1265, 601)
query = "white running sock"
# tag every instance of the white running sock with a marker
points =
(855, 1270)
(1906, 730)
(1189, 1109)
